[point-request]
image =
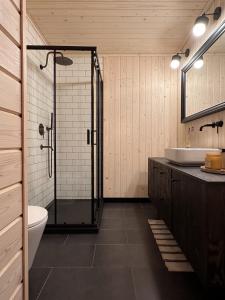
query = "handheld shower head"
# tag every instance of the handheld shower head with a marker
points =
(51, 124)
(51, 120)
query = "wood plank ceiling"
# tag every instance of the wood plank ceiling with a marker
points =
(125, 27)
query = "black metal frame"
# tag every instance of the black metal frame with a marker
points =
(217, 108)
(58, 48)
(92, 140)
(127, 200)
(95, 214)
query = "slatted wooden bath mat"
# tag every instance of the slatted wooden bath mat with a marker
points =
(171, 253)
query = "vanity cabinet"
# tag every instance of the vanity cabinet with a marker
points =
(179, 208)
(192, 204)
(189, 219)
(159, 191)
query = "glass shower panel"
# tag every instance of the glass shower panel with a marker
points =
(73, 136)
(39, 110)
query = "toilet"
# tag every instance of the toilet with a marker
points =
(37, 219)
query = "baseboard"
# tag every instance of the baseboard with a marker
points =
(128, 200)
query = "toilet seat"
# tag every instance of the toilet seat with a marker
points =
(36, 215)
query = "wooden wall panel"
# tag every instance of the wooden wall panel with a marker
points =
(18, 293)
(10, 204)
(11, 276)
(140, 119)
(17, 3)
(10, 96)
(11, 241)
(112, 65)
(10, 131)
(13, 200)
(10, 167)
(10, 20)
(9, 56)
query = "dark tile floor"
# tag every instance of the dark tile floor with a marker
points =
(120, 263)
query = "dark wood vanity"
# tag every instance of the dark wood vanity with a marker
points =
(192, 204)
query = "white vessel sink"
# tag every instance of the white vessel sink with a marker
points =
(188, 156)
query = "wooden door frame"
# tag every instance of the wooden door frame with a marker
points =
(23, 28)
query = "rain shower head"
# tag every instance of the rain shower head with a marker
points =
(60, 60)
(63, 60)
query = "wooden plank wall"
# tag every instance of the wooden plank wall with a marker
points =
(140, 119)
(208, 137)
(13, 206)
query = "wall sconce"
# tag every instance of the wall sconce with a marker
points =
(198, 64)
(202, 21)
(176, 59)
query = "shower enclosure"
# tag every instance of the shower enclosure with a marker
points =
(74, 145)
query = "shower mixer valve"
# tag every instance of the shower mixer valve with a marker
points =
(41, 130)
(46, 147)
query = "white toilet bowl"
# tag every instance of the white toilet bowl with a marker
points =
(37, 219)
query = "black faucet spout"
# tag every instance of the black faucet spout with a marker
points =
(213, 125)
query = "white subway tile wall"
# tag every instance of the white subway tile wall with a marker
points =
(40, 106)
(73, 120)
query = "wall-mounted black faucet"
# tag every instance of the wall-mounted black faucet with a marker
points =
(213, 125)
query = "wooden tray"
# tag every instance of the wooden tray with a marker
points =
(220, 172)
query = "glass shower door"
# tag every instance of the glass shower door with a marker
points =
(74, 141)
(73, 196)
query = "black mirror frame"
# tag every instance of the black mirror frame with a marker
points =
(216, 108)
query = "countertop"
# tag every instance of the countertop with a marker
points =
(192, 171)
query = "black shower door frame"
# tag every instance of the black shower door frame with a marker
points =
(96, 143)
(98, 128)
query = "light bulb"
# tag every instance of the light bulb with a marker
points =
(200, 25)
(198, 64)
(199, 29)
(175, 62)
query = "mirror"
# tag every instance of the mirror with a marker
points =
(203, 88)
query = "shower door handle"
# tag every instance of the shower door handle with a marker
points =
(88, 136)
(93, 137)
